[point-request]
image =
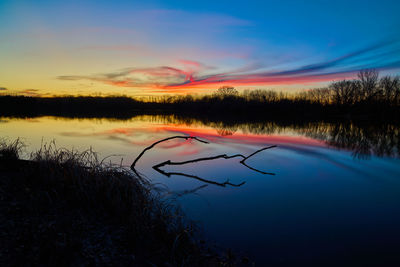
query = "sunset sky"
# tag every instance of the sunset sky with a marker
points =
(142, 48)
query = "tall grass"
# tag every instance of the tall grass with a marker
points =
(77, 206)
(11, 150)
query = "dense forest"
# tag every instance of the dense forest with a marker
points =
(367, 97)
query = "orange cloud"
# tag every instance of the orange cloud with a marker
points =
(191, 75)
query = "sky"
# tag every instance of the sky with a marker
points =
(143, 48)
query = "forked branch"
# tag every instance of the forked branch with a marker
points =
(258, 151)
(224, 156)
(168, 174)
(160, 141)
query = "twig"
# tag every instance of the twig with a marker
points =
(256, 170)
(258, 151)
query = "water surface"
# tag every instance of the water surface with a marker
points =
(331, 195)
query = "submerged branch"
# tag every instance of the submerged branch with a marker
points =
(168, 174)
(189, 191)
(168, 162)
(157, 167)
(258, 151)
(256, 170)
(160, 141)
(224, 156)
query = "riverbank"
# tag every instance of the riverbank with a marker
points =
(228, 108)
(67, 208)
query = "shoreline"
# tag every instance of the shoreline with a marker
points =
(64, 208)
(213, 108)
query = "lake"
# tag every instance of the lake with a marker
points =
(327, 194)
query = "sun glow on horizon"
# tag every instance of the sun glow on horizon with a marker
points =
(59, 48)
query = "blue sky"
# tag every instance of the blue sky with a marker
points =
(136, 48)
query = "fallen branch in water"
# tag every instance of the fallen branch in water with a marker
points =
(160, 141)
(258, 151)
(168, 174)
(224, 156)
(189, 191)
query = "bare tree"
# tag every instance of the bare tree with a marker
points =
(322, 95)
(225, 91)
(345, 92)
(369, 80)
(390, 87)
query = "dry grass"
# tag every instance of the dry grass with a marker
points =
(11, 150)
(81, 211)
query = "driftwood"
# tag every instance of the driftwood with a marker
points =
(160, 141)
(224, 156)
(168, 174)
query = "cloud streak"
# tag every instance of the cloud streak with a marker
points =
(30, 92)
(191, 74)
(154, 77)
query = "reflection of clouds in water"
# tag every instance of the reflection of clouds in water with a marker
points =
(74, 134)
(363, 140)
(190, 152)
(323, 155)
(248, 139)
(119, 138)
(33, 120)
(107, 135)
(175, 143)
(133, 135)
(3, 121)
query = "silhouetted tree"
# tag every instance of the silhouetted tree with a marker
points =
(368, 81)
(390, 88)
(367, 95)
(344, 92)
(225, 91)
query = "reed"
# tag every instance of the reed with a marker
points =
(68, 208)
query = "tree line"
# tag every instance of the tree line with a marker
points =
(368, 88)
(368, 97)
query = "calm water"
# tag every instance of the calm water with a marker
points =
(334, 197)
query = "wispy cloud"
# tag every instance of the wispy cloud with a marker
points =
(29, 92)
(146, 77)
(176, 17)
(191, 74)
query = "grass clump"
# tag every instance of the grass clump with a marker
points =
(68, 208)
(11, 150)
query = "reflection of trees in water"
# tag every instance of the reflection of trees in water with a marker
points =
(363, 139)
(226, 130)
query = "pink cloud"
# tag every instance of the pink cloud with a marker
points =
(192, 75)
(191, 63)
